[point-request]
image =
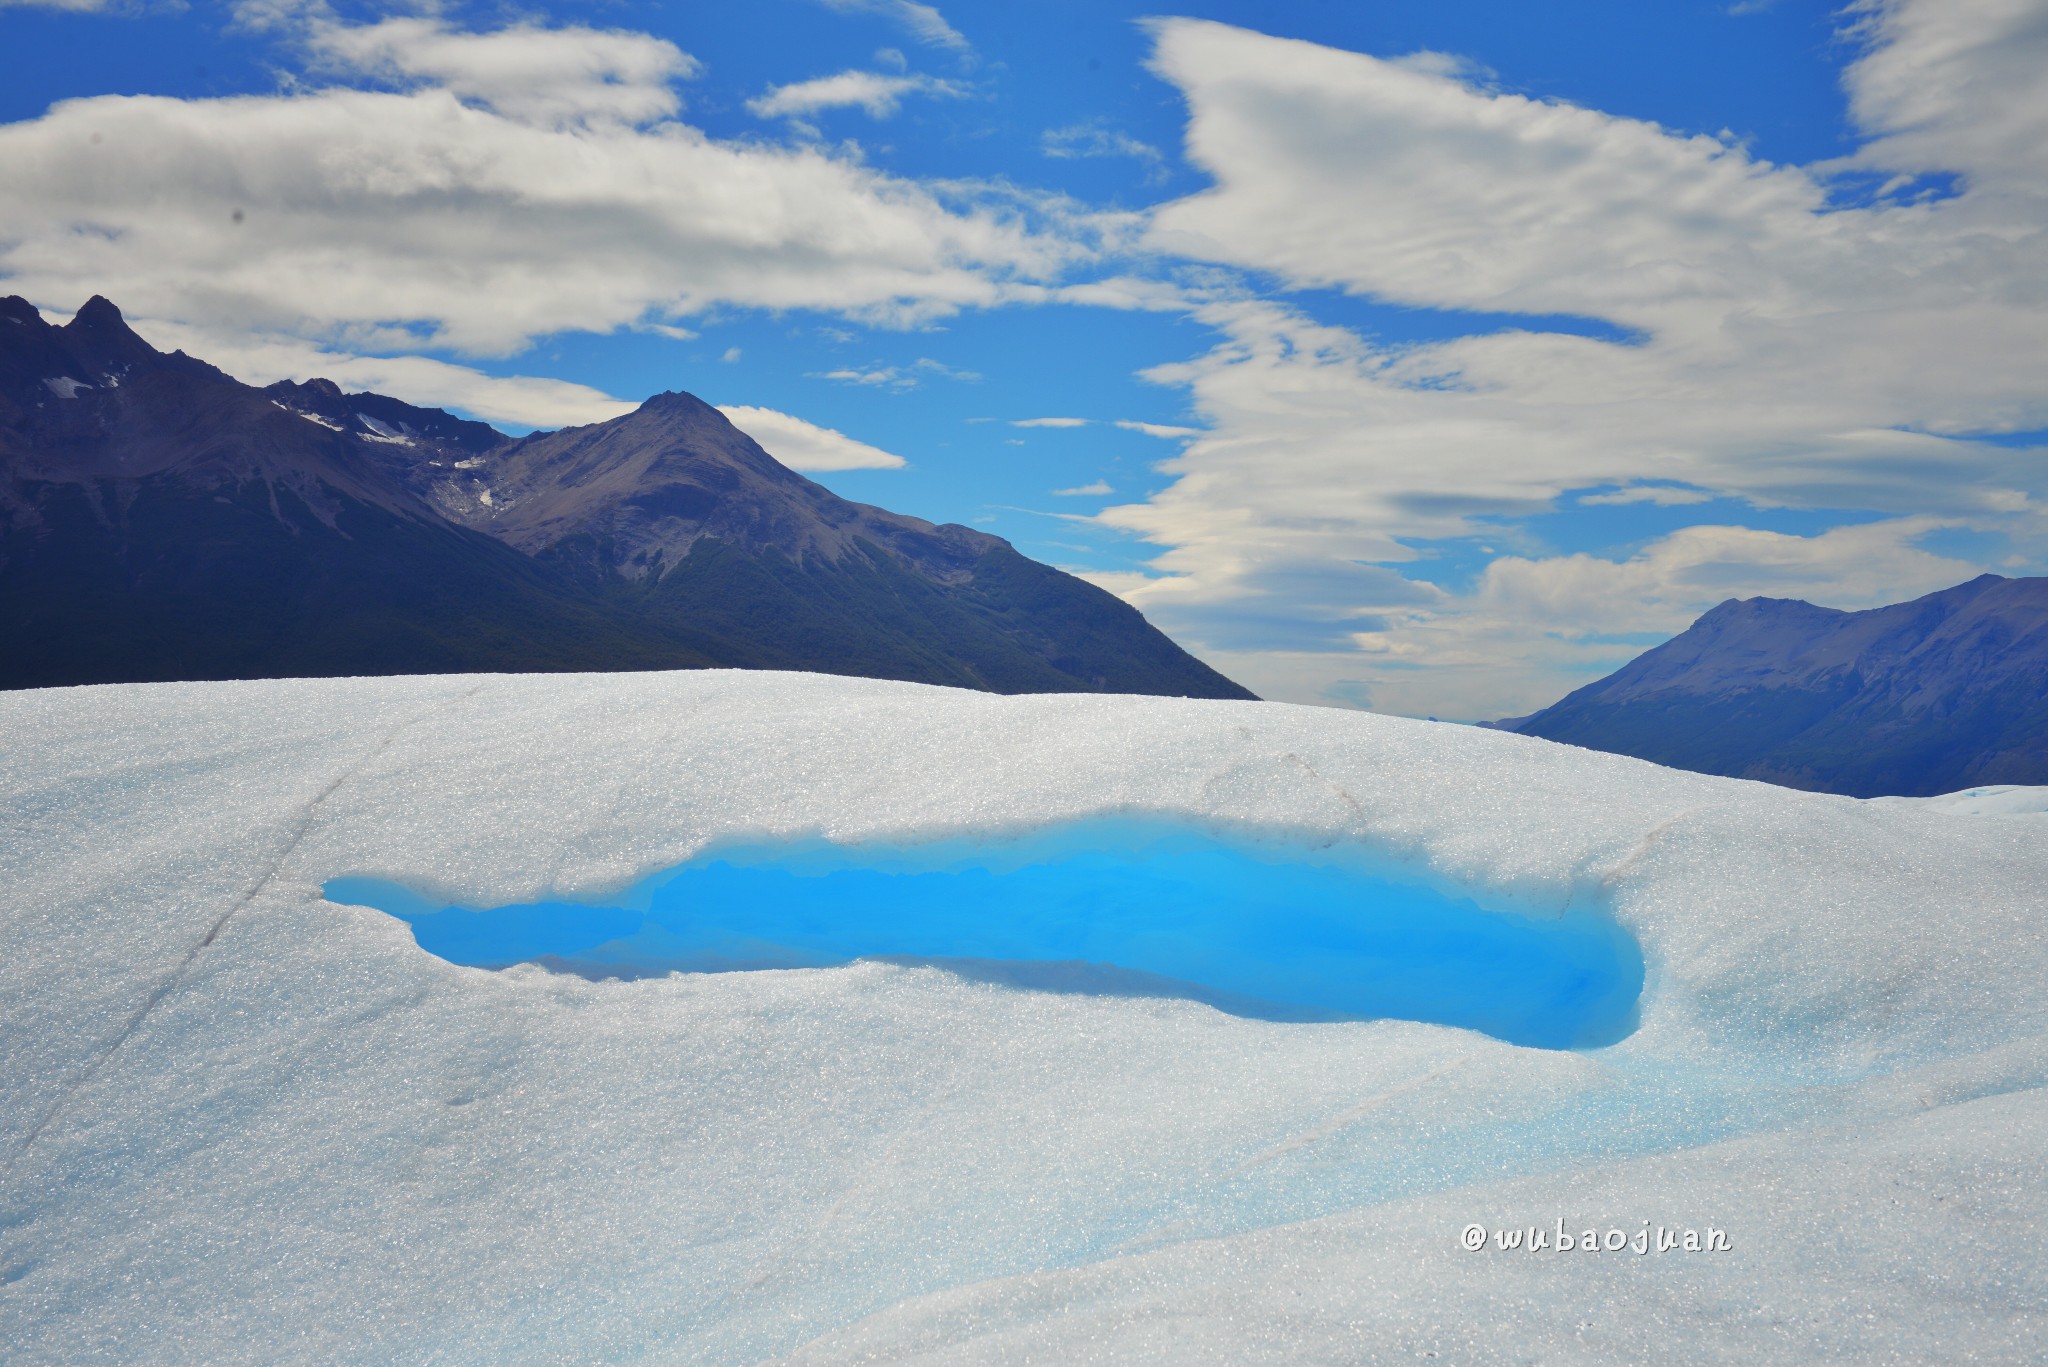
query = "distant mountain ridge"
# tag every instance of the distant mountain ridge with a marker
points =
(161, 520)
(1945, 692)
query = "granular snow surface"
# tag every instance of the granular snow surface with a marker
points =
(242, 1123)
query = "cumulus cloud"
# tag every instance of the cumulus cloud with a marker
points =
(1772, 340)
(491, 189)
(805, 446)
(878, 94)
(1050, 422)
(1096, 489)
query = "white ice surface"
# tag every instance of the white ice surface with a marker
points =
(2006, 799)
(243, 1124)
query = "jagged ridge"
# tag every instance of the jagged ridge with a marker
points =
(161, 520)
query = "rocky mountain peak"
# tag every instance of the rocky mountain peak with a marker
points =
(678, 402)
(99, 336)
(635, 495)
(100, 312)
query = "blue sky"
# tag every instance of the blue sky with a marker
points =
(1460, 350)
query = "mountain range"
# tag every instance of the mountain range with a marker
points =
(1946, 692)
(161, 520)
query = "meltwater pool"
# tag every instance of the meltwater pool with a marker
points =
(1253, 925)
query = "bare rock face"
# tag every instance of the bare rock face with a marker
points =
(645, 488)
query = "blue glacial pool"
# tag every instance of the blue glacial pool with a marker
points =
(1120, 908)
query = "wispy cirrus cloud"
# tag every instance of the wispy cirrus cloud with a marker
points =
(922, 22)
(897, 377)
(1094, 139)
(875, 377)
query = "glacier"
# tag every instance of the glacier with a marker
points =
(242, 1122)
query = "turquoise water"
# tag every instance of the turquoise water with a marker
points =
(1117, 908)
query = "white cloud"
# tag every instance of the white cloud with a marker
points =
(75, 6)
(872, 91)
(481, 210)
(871, 376)
(1453, 65)
(1159, 429)
(1533, 629)
(1050, 422)
(896, 377)
(929, 366)
(1553, 613)
(1098, 488)
(1954, 85)
(517, 401)
(1774, 347)
(1663, 587)
(731, 355)
(1338, 169)
(1662, 495)
(1095, 140)
(805, 446)
(550, 77)
(923, 22)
